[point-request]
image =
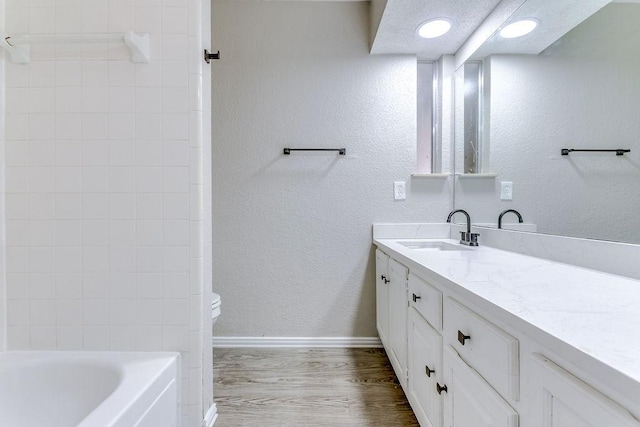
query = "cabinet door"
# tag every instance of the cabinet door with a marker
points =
(562, 400)
(382, 295)
(398, 320)
(425, 369)
(470, 401)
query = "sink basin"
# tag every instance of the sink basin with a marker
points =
(432, 246)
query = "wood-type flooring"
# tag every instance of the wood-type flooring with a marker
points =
(308, 387)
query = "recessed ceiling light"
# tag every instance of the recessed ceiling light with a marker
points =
(518, 28)
(434, 28)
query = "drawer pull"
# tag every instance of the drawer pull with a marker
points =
(441, 388)
(416, 297)
(384, 279)
(462, 338)
(428, 371)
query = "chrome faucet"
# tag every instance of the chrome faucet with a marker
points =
(506, 212)
(466, 237)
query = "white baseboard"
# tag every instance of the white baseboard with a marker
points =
(210, 417)
(300, 342)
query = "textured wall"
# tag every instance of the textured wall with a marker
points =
(292, 234)
(580, 93)
(104, 185)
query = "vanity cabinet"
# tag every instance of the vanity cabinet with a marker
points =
(562, 400)
(397, 349)
(382, 296)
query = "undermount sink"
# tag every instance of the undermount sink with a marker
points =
(432, 246)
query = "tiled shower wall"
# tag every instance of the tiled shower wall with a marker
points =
(104, 184)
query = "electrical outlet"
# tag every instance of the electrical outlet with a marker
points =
(399, 190)
(506, 190)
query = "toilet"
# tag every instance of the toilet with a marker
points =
(215, 308)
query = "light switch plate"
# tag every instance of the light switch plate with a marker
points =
(506, 190)
(399, 190)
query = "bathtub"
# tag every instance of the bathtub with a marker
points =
(89, 389)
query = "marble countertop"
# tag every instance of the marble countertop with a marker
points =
(584, 314)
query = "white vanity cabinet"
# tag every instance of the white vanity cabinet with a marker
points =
(382, 295)
(397, 349)
(562, 400)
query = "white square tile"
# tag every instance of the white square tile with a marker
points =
(95, 179)
(149, 126)
(149, 312)
(68, 19)
(176, 232)
(41, 153)
(43, 338)
(175, 179)
(67, 126)
(122, 126)
(122, 153)
(175, 73)
(95, 20)
(95, 99)
(175, 153)
(149, 179)
(176, 312)
(42, 206)
(195, 128)
(68, 259)
(68, 285)
(18, 312)
(148, 19)
(121, 19)
(69, 312)
(42, 20)
(41, 126)
(95, 258)
(122, 338)
(122, 206)
(41, 179)
(17, 285)
(121, 73)
(41, 232)
(149, 259)
(175, 47)
(176, 285)
(95, 285)
(17, 179)
(148, 99)
(175, 338)
(42, 286)
(68, 206)
(95, 152)
(122, 233)
(148, 153)
(42, 73)
(174, 20)
(68, 232)
(17, 206)
(42, 260)
(175, 100)
(122, 312)
(68, 179)
(176, 259)
(122, 179)
(148, 338)
(95, 338)
(95, 232)
(69, 337)
(19, 22)
(94, 73)
(19, 337)
(96, 126)
(18, 233)
(122, 285)
(68, 73)
(122, 99)
(16, 75)
(16, 126)
(175, 126)
(95, 206)
(148, 74)
(17, 100)
(40, 100)
(149, 285)
(68, 99)
(149, 205)
(95, 312)
(17, 259)
(43, 311)
(68, 153)
(175, 206)
(149, 232)
(122, 259)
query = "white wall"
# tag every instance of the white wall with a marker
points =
(292, 234)
(580, 93)
(3, 290)
(104, 186)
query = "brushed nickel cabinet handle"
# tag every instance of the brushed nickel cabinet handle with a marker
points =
(462, 338)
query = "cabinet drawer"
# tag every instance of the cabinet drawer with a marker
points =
(427, 300)
(486, 348)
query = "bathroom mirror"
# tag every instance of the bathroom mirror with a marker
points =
(581, 91)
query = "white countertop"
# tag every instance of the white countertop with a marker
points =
(561, 306)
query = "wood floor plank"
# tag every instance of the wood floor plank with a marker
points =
(308, 387)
